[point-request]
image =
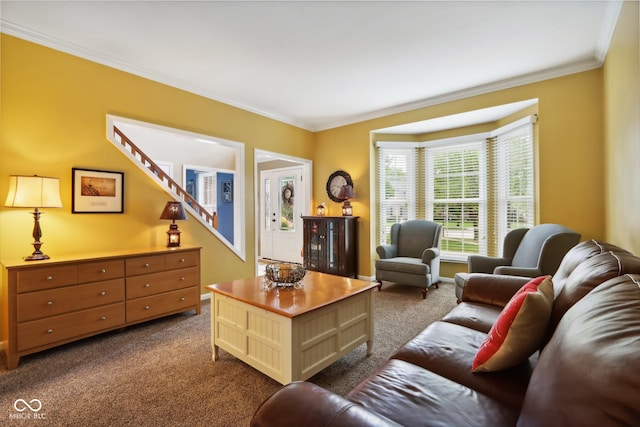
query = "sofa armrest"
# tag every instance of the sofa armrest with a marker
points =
(387, 251)
(492, 288)
(518, 271)
(430, 254)
(306, 404)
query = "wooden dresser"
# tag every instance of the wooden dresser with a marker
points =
(53, 302)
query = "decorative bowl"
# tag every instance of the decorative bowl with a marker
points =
(284, 275)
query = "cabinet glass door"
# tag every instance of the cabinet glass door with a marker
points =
(333, 246)
(314, 239)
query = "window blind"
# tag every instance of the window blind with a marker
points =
(456, 196)
(512, 179)
(396, 182)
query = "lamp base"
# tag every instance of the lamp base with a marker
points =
(36, 257)
(173, 236)
(37, 254)
(347, 210)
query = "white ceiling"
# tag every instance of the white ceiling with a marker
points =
(322, 64)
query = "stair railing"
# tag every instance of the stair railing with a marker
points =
(209, 218)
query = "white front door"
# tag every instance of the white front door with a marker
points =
(282, 202)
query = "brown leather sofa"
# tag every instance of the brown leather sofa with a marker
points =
(585, 374)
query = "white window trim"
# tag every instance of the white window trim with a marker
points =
(484, 137)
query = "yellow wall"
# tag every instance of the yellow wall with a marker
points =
(570, 155)
(53, 119)
(622, 131)
(53, 110)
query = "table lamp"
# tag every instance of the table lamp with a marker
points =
(34, 192)
(173, 211)
(346, 193)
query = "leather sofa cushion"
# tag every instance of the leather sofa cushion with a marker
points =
(580, 252)
(588, 275)
(403, 265)
(477, 316)
(448, 350)
(492, 289)
(413, 396)
(587, 374)
(290, 405)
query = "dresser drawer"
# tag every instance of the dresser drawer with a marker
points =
(181, 260)
(100, 270)
(150, 284)
(157, 305)
(41, 304)
(144, 264)
(66, 326)
(36, 279)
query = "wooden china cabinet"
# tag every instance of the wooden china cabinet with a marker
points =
(330, 244)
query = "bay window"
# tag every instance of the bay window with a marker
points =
(479, 187)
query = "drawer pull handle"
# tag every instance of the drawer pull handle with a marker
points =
(103, 270)
(49, 277)
(146, 285)
(181, 259)
(49, 331)
(182, 279)
(49, 303)
(147, 307)
(182, 299)
(103, 318)
(103, 293)
(146, 265)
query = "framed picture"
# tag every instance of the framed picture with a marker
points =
(227, 191)
(95, 191)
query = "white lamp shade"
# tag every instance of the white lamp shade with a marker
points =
(33, 192)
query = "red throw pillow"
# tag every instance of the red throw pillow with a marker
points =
(520, 328)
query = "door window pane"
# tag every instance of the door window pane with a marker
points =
(287, 194)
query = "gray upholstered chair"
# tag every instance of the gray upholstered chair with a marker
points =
(413, 257)
(526, 252)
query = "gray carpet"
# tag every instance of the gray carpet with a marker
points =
(160, 373)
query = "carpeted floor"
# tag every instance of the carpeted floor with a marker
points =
(160, 373)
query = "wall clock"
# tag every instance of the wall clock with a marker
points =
(334, 184)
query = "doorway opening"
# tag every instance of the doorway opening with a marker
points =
(282, 194)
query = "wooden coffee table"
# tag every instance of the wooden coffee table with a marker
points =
(292, 334)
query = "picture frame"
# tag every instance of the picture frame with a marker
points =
(97, 191)
(227, 191)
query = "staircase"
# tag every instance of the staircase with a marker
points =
(210, 221)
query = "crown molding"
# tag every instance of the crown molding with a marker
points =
(109, 61)
(572, 68)
(610, 20)
(606, 33)
(611, 16)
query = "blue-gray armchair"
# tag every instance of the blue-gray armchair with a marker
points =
(526, 252)
(413, 257)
